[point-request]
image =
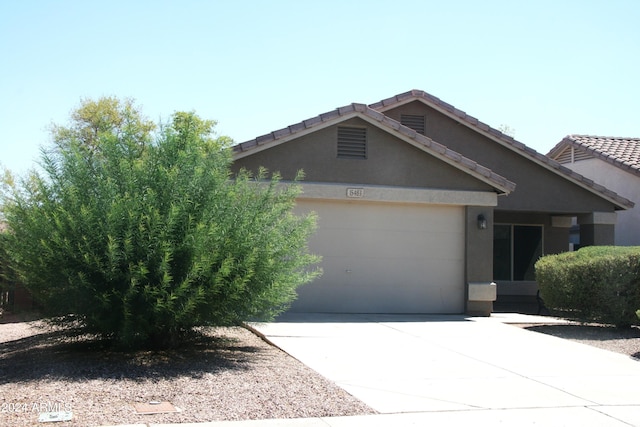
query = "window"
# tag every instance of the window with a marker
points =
(352, 143)
(414, 122)
(516, 248)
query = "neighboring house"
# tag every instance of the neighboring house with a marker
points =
(614, 163)
(13, 295)
(422, 207)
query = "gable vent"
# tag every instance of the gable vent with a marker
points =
(571, 155)
(581, 155)
(352, 143)
(414, 122)
(565, 156)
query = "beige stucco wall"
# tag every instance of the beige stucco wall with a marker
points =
(627, 229)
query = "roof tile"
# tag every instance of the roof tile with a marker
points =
(518, 146)
(329, 115)
(621, 151)
(312, 121)
(360, 107)
(264, 138)
(375, 114)
(246, 145)
(452, 156)
(408, 132)
(281, 132)
(297, 127)
(392, 123)
(459, 113)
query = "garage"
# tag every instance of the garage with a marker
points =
(384, 257)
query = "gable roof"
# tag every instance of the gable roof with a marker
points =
(621, 152)
(504, 140)
(426, 144)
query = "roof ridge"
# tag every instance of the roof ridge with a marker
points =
(499, 136)
(441, 150)
(431, 146)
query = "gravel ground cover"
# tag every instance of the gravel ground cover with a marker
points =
(229, 374)
(625, 341)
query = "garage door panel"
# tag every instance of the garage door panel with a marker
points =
(368, 216)
(369, 292)
(390, 244)
(386, 258)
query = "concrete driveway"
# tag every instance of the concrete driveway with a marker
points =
(449, 370)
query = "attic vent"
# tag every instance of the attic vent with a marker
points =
(565, 156)
(581, 155)
(352, 143)
(414, 122)
(571, 155)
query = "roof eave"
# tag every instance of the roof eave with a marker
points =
(619, 202)
(500, 184)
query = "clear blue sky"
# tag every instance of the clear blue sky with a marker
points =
(545, 68)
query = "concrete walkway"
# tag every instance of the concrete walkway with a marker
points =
(455, 370)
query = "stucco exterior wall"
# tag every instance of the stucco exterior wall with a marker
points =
(537, 189)
(627, 230)
(478, 258)
(390, 161)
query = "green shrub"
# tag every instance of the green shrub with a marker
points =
(141, 237)
(599, 283)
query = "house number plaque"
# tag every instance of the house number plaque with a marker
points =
(355, 193)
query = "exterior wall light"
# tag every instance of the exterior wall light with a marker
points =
(482, 222)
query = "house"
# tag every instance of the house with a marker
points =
(425, 209)
(13, 295)
(612, 162)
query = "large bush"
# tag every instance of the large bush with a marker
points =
(600, 283)
(140, 235)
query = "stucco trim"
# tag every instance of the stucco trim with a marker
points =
(482, 291)
(372, 193)
(600, 218)
(561, 221)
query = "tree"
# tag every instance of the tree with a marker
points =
(141, 236)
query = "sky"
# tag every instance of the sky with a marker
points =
(544, 68)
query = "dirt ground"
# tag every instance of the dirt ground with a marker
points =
(228, 374)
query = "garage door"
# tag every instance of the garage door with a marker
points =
(386, 258)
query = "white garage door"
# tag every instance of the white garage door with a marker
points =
(386, 258)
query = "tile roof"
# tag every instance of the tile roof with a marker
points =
(505, 140)
(375, 117)
(621, 152)
(375, 113)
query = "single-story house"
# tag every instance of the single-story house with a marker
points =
(424, 209)
(612, 162)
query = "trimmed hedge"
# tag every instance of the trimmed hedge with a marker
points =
(596, 283)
